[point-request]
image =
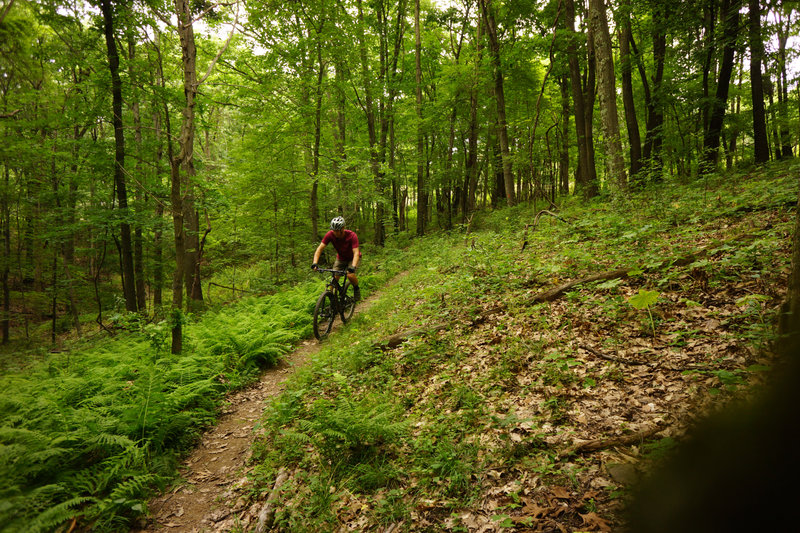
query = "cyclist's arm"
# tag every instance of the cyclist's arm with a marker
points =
(318, 252)
(356, 257)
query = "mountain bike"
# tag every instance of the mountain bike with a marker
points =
(337, 298)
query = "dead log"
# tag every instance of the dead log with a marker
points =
(267, 514)
(552, 294)
(601, 444)
(397, 339)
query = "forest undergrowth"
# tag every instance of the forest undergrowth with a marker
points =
(463, 402)
(460, 401)
(87, 434)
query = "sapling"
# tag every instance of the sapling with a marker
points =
(645, 299)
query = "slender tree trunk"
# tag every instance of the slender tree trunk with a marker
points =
(472, 150)
(138, 251)
(586, 177)
(563, 166)
(608, 92)
(709, 27)
(500, 99)
(315, 236)
(655, 110)
(158, 267)
(730, 15)
(422, 193)
(783, 85)
(183, 161)
(760, 142)
(389, 65)
(128, 283)
(776, 138)
(369, 110)
(632, 123)
(5, 264)
(340, 135)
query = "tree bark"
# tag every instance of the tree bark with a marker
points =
(500, 99)
(711, 140)
(128, 282)
(315, 236)
(138, 245)
(183, 161)
(563, 167)
(422, 193)
(471, 166)
(608, 93)
(369, 110)
(5, 266)
(783, 86)
(586, 178)
(760, 139)
(631, 122)
(655, 109)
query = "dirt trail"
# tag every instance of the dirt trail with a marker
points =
(212, 496)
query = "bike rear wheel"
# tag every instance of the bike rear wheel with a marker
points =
(324, 315)
(349, 302)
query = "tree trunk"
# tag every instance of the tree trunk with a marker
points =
(563, 167)
(760, 140)
(138, 251)
(586, 177)
(632, 123)
(389, 73)
(128, 283)
(315, 236)
(608, 93)
(5, 265)
(783, 85)
(730, 15)
(422, 193)
(655, 110)
(369, 110)
(183, 161)
(500, 99)
(471, 166)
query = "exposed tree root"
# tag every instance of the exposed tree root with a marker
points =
(267, 514)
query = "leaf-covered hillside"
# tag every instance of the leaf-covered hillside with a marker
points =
(461, 402)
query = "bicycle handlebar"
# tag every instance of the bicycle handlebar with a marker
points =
(330, 270)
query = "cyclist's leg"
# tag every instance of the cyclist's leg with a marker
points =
(351, 277)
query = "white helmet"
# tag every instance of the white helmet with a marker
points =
(337, 223)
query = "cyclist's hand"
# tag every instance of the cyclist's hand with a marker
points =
(351, 269)
(313, 266)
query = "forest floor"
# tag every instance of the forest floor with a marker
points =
(472, 398)
(211, 495)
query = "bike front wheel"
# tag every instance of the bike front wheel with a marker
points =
(349, 301)
(324, 315)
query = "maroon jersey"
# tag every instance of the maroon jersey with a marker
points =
(344, 246)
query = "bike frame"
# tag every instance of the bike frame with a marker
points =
(335, 294)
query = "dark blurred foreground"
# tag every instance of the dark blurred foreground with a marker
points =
(739, 470)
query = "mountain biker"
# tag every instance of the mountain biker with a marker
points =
(348, 255)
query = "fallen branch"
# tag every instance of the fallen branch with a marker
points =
(267, 514)
(399, 338)
(10, 115)
(552, 294)
(610, 358)
(601, 444)
(535, 223)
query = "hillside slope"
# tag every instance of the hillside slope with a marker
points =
(462, 402)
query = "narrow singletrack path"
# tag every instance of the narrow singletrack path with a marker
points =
(211, 497)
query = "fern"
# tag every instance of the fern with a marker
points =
(56, 515)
